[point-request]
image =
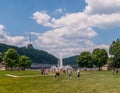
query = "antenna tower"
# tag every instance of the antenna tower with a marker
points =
(30, 42)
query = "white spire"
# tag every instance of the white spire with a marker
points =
(61, 61)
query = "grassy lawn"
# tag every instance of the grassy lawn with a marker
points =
(90, 82)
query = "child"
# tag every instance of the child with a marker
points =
(69, 74)
(78, 73)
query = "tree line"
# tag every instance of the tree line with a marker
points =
(13, 61)
(100, 57)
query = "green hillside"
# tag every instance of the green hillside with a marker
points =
(70, 61)
(37, 56)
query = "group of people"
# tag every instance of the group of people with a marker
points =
(115, 70)
(69, 72)
(44, 71)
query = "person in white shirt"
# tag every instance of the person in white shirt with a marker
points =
(69, 74)
(78, 73)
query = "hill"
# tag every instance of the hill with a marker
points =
(37, 56)
(70, 61)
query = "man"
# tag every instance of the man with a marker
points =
(57, 73)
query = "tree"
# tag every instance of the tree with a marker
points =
(100, 57)
(85, 59)
(11, 58)
(114, 47)
(114, 50)
(25, 62)
(116, 59)
(110, 62)
(1, 57)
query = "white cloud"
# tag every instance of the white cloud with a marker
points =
(16, 40)
(11, 40)
(59, 11)
(2, 33)
(42, 18)
(102, 46)
(103, 14)
(72, 19)
(64, 40)
(105, 20)
(70, 24)
(1, 27)
(102, 7)
(71, 33)
(89, 43)
(35, 33)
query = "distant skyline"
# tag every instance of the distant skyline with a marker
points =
(60, 26)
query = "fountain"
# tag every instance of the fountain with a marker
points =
(60, 62)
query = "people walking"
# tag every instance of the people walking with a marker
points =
(69, 73)
(116, 70)
(113, 71)
(78, 74)
(57, 73)
(42, 71)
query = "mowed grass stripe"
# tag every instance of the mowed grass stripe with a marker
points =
(10, 75)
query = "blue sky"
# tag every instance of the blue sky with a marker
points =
(60, 26)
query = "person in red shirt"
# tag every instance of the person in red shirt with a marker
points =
(57, 73)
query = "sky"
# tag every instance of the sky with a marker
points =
(60, 26)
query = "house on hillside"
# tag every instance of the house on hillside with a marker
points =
(2, 66)
(106, 67)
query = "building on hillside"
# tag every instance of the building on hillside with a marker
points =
(30, 43)
(39, 66)
(30, 46)
(106, 67)
(2, 66)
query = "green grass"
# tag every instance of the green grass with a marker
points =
(90, 82)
